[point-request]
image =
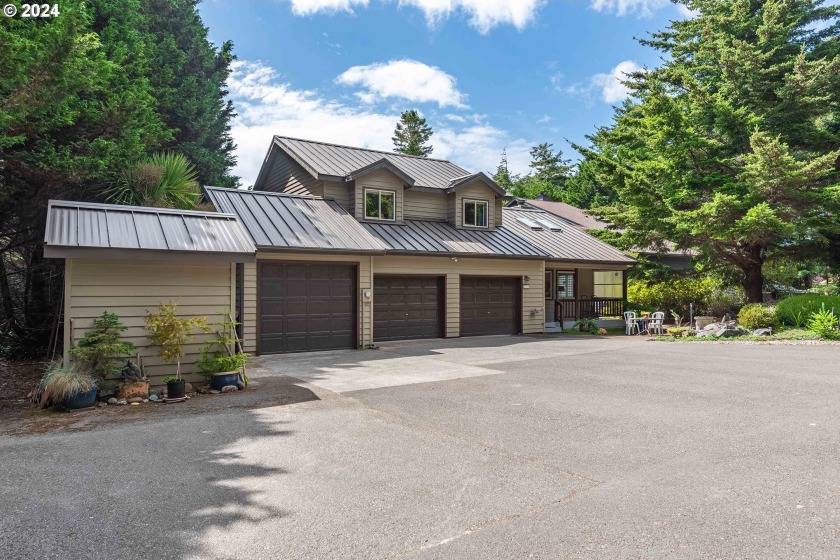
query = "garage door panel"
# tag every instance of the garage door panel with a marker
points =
(407, 307)
(305, 307)
(489, 306)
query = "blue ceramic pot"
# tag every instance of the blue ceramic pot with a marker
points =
(224, 379)
(82, 400)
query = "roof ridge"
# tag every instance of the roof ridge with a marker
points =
(136, 209)
(397, 154)
(272, 193)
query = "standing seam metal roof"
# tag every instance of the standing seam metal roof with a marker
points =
(568, 244)
(339, 161)
(113, 226)
(294, 222)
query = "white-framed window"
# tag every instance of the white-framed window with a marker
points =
(380, 205)
(608, 283)
(475, 213)
(565, 285)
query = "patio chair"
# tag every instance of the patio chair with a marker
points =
(657, 322)
(630, 322)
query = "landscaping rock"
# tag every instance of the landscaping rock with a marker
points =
(230, 389)
(762, 332)
(101, 404)
(122, 402)
(154, 398)
(214, 392)
(112, 400)
(134, 400)
(188, 387)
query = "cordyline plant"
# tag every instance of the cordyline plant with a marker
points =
(170, 333)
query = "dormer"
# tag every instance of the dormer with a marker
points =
(474, 202)
(379, 192)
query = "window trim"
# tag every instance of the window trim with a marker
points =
(365, 191)
(621, 275)
(570, 274)
(486, 204)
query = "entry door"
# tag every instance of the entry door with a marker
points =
(490, 305)
(306, 307)
(407, 307)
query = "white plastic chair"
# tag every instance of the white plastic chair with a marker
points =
(657, 322)
(630, 322)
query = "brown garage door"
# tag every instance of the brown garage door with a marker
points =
(489, 306)
(306, 307)
(406, 307)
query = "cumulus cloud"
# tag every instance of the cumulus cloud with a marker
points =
(267, 105)
(309, 7)
(608, 85)
(642, 8)
(404, 79)
(483, 15)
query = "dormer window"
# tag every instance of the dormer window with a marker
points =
(380, 205)
(475, 213)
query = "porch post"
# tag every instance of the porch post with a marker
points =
(623, 290)
(576, 302)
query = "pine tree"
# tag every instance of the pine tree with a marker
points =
(411, 134)
(550, 172)
(502, 175)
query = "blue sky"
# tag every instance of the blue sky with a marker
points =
(487, 74)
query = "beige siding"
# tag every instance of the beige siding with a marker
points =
(381, 179)
(365, 283)
(532, 297)
(340, 192)
(425, 205)
(498, 212)
(130, 289)
(474, 191)
(585, 278)
(286, 175)
(249, 308)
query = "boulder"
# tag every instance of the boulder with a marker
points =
(230, 389)
(112, 400)
(134, 400)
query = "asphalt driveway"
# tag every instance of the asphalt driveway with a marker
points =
(495, 447)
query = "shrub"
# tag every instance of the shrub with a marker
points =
(797, 309)
(755, 316)
(824, 323)
(61, 382)
(678, 331)
(101, 346)
(723, 301)
(670, 295)
(170, 333)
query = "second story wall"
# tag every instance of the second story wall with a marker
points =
(474, 191)
(423, 205)
(341, 193)
(382, 180)
(286, 175)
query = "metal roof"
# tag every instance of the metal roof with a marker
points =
(568, 244)
(441, 237)
(333, 160)
(572, 213)
(294, 222)
(74, 226)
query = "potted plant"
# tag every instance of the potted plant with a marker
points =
(586, 325)
(68, 385)
(100, 347)
(170, 333)
(222, 358)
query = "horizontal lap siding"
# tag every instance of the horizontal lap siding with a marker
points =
(249, 308)
(475, 191)
(425, 205)
(287, 175)
(340, 192)
(384, 180)
(131, 289)
(532, 297)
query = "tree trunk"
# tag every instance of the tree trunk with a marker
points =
(753, 283)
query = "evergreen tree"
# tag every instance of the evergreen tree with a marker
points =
(502, 175)
(411, 134)
(550, 172)
(732, 146)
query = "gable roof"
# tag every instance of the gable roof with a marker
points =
(76, 229)
(460, 182)
(281, 221)
(333, 161)
(559, 238)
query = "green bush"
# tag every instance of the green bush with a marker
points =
(755, 316)
(796, 310)
(670, 295)
(824, 323)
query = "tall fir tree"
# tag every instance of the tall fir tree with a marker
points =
(412, 134)
(502, 176)
(732, 145)
(549, 175)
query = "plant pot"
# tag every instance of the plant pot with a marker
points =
(584, 329)
(82, 400)
(224, 379)
(176, 389)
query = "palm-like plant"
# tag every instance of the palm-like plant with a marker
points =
(165, 180)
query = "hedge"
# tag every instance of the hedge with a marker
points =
(796, 310)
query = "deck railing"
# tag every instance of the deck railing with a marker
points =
(593, 308)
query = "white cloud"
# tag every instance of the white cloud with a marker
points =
(642, 8)
(309, 7)
(608, 85)
(404, 79)
(483, 14)
(267, 106)
(544, 119)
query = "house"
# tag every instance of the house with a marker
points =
(340, 247)
(672, 258)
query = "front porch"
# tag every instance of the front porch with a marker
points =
(584, 294)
